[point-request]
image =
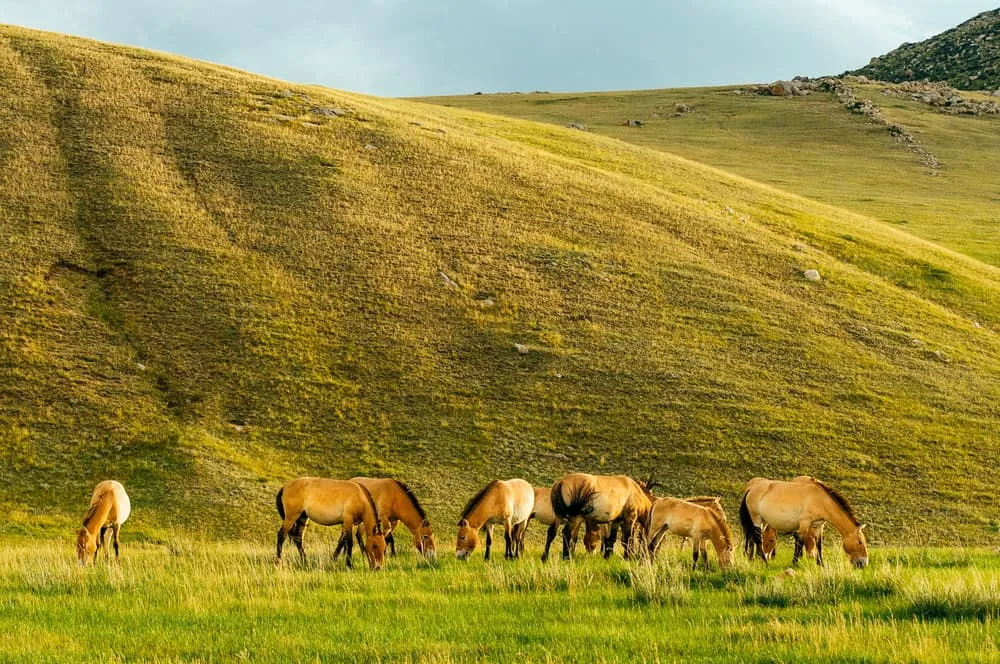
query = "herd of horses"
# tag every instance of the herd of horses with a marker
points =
(608, 508)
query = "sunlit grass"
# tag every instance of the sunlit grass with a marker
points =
(211, 601)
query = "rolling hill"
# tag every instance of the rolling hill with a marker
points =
(967, 57)
(211, 281)
(809, 145)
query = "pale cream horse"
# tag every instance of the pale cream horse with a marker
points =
(109, 509)
(801, 507)
(506, 502)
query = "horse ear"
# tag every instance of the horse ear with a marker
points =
(377, 530)
(425, 523)
(464, 523)
(862, 527)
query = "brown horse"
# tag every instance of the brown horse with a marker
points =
(691, 520)
(395, 502)
(109, 509)
(328, 503)
(802, 507)
(544, 513)
(617, 500)
(594, 536)
(508, 502)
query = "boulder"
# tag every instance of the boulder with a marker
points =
(811, 275)
(578, 126)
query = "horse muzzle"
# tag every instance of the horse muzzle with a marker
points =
(462, 554)
(861, 563)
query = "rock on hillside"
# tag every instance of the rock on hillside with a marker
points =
(967, 57)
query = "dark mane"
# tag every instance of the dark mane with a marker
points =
(371, 501)
(413, 499)
(471, 505)
(839, 499)
(91, 512)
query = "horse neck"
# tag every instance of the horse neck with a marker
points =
(98, 514)
(718, 540)
(407, 513)
(838, 517)
(481, 513)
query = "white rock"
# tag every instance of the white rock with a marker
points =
(141, 366)
(811, 275)
(447, 280)
(521, 349)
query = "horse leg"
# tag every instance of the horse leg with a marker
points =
(627, 539)
(798, 549)
(694, 555)
(550, 535)
(361, 541)
(390, 538)
(566, 538)
(296, 534)
(114, 535)
(819, 550)
(508, 540)
(348, 544)
(703, 546)
(656, 539)
(609, 541)
(102, 542)
(575, 532)
(489, 540)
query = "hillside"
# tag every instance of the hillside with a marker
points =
(810, 145)
(967, 57)
(211, 281)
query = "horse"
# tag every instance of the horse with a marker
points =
(395, 502)
(593, 536)
(544, 513)
(109, 509)
(617, 500)
(509, 502)
(801, 507)
(328, 503)
(689, 519)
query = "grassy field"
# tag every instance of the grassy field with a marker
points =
(807, 145)
(194, 601)
(212, 281)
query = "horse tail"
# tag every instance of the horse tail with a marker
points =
(751, 533)
(578, 503)
(280, 503)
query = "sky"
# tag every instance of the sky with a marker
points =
(434, 47)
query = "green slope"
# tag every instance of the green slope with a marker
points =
(208, 287)
(808, 145)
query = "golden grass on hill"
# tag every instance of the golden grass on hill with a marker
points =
(810, 146)
(208, 287)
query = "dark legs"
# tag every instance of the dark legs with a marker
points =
(819, 550)
(346, 543)
(609, 540)
(114, 534)
(798, 549)
(101, 542)
(549, 536)
(489, 540)
(567, 538)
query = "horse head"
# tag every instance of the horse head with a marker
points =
(375, 547)
(425, 542)
(86, 546)
(856, 547)
(768, 542)
(468, 540)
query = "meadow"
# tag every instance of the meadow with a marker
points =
(190, 600)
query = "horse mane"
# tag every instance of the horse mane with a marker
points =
(94, 507)
(839, 499)
(413, 499)
(720, 521)
(471, 505)
(371, 502)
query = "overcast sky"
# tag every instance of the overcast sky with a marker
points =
(426, 47)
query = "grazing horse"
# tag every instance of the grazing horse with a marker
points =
(395, 502)
(329, 502)
(691, 520)
(594, 536)
(802, 507)
(509, 502)
(544, 513)
(109, 509)
(617, 500)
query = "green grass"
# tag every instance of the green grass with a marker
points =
(807, 145)
(194, 601)
(206, 289)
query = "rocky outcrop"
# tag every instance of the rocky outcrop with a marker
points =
(967, 57)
